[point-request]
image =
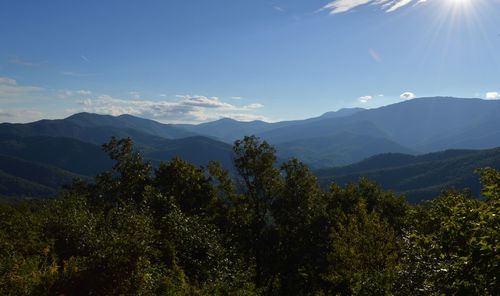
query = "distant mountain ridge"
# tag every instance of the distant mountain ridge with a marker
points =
(333, 139)
(418, 177)
(229, 130)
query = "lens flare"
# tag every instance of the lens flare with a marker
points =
(459, 3)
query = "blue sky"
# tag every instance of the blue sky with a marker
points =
(198, 60)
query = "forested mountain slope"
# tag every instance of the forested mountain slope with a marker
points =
(418, 177)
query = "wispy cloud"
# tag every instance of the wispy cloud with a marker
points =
(15, 60)
(73, 93)
(375, 55)
(20, 115)
(395, 5)
(205, 102)
(407, 95)
(76, 74)
(10, 90)
(84, 58)
(8, 81)
(339, 6)
(253, 106)
(492, 95)
(278, 8)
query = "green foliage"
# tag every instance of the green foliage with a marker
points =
(453, 245)
(363, 255)
(187, 230)
(187, 183)
(420, 177)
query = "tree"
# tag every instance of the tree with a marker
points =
(454, 244)
(129, 176)
(189, 185)
(261, 182)
(297, 212)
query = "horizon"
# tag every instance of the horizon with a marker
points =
(254, 120)
(196, 62)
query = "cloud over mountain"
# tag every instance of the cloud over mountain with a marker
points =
(188, 108)
(492, 95)
(407, 95)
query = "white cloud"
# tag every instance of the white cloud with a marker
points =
(398, 4)
(205, 102)
(10, 90)
(188, 109)
(20, 115)
(365, 99)
(407, 95)
(253, 106)
(74, 93)
(86, 102)
(339, 6)
(492, 95)
(236, 98)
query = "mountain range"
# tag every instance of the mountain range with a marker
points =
(70, 147)
(419, 177)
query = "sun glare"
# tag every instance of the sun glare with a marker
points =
(462, 3)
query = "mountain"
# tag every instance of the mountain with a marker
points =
(39, 166)
(24, 179)
(130, 122)
(229, 130)
(72, 145)
(97, 128)
(197, 150)
(415, 126)
(432, 124)
(69, 154)
(416, 123)
(336, 114)
(418, 177)
(341, 148)
(157, 141)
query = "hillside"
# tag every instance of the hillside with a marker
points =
(418, 177)
(68, 154)
(333, 139)
(38, 166)
(343, 137)
(341, 148)
(23, 179)
(84, 133)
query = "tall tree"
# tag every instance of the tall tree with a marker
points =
(255, 161)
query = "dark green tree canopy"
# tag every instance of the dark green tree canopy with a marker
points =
(179, 229)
